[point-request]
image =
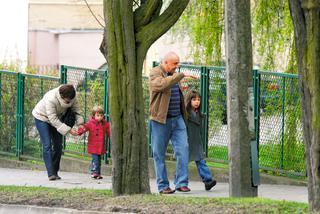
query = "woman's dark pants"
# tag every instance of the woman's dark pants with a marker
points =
(51, 141)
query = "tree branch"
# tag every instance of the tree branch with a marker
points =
(161, 24)
(93, 14)
(144, 14)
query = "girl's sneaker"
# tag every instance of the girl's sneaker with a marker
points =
(99, 177)
(95, 175)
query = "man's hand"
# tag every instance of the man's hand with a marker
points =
(190, 76)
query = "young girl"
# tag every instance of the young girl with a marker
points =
(97, 127)
(196, 151)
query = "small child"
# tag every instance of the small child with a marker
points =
(97, 127)
(196, 151)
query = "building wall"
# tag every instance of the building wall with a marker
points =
(81, 49)
(80, 35)
(65, 14)
(69, 48)
(43, 48)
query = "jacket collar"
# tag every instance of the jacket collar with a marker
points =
(62, 102)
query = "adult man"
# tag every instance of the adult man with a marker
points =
(167, 123)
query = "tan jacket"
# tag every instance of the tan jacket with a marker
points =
(51, 108)
(160, 93)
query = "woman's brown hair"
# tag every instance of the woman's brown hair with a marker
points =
(67, 91)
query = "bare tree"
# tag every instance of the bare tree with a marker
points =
(131, 27)
(306, 19)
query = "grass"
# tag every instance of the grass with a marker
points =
(102, 200)
(270, 156)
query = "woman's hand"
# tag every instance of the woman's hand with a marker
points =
(74, 132)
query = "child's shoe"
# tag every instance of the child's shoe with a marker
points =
(94, 175)
(209, 185)
(99, 177)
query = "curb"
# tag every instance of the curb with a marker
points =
(29, 209)
(81, 166)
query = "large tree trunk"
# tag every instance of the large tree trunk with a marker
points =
(128, 35)
(306, 19)
(239, 82)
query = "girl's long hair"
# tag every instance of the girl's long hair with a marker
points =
(190, 95)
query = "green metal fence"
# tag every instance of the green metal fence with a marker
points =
(32, 88)
(281, 145)
(8, 114)
(92, 89)
(278, 125)
(19, 94)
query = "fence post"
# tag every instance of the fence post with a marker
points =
(283, 117)
(85, 106)
(63, 80)
(0, 100)
(256, 92)
(204, 88)
(106, 110)
(19, 114)
(63, 74)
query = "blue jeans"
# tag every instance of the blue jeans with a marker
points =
(51, 141)
(204, 171)
(174, 129)
(96, 164)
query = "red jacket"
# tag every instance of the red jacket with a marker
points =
(97, 132)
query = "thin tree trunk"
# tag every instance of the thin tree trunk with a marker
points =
(239, 82)
(306, 19)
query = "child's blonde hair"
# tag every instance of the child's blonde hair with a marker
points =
(97, 109)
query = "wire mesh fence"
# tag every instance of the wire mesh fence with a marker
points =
(280, 137)
(278, 124)
(217, 101)
(34, 88)
(8, 117)
(91, 87)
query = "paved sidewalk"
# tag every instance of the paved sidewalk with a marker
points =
(21, 177)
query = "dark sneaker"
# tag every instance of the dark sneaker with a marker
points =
(209, 185)
(58, 177)
(52, 178)
(183, 189)
(99, 177)
(167, 190)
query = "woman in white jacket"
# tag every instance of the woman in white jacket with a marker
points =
(48, 113)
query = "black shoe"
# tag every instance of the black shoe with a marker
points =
(58, 177)
(209, 185)
(52, 178)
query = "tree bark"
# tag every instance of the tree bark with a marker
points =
(239, 83)
(306, 19)
(128, 35)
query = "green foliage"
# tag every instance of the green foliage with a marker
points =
(272, 33)
(8, 99)
(203, 19)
